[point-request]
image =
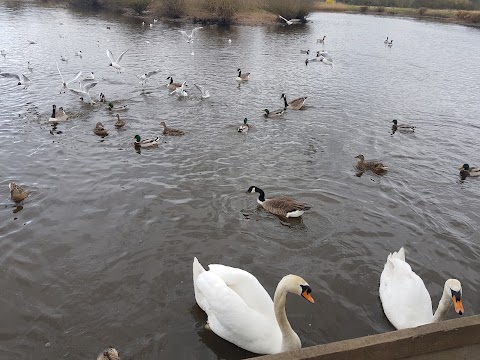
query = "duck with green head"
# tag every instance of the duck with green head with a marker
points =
(466, 171)
(145, 143)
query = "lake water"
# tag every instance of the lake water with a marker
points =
(101, 252)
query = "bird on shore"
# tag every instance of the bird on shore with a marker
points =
(17, 193)
(281, 206)
(296, 104)
(242, 77)
(405, 299)
(116, 63)
(373, 165)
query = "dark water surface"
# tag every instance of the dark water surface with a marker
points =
(101, 252)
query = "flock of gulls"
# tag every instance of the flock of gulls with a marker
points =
(238, 307)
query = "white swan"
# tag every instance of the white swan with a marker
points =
(405, 299)
(240, 310)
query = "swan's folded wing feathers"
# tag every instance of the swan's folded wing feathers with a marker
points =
(246, 286)
(230, 317)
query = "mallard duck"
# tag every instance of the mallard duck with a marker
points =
(242, 77)
(375, 166)
(402, 127)
(405, 299)
(296, 104)
(109, 354)
(145, 143)
(281, 206)
(17, 193)
(100, 130)
(170, 131)
(172, 85)
(466, 170)
(273, 113)
(240, 310)
(117, 108)
(244, 128)
(120, 122)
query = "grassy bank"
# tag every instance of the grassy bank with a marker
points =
(465, 17)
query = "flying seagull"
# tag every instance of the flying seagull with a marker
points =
(116, 63)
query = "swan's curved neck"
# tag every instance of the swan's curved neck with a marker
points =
(290, 339)
(443, 305)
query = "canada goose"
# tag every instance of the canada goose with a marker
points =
(375, 166)
(402, 127)
(321, 41)
(17, 193)
(281, 206)
(170, 131)
(145, 143)
(109, 354)
(273, 113)
(466, 170)
(242, 77)
(100, 130)
(296, 104)
(120, 122)
(172, 85)
(244, 128)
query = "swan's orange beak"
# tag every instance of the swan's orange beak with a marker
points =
(309, 297)
(458, 305)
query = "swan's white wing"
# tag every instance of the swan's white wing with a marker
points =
(75, 78)
(121, 56)
(232, 319)
(10, 75)
(110, 56)
(246, 286)
(59, 72)
(88, 86)
(405, 299)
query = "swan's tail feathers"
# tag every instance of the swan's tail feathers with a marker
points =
(197, 269)
(400, 254)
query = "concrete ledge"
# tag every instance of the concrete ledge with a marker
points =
(452, 339)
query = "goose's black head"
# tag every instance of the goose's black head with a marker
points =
(110, 64)
(394, 122)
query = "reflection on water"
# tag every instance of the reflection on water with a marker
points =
(101, 252)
